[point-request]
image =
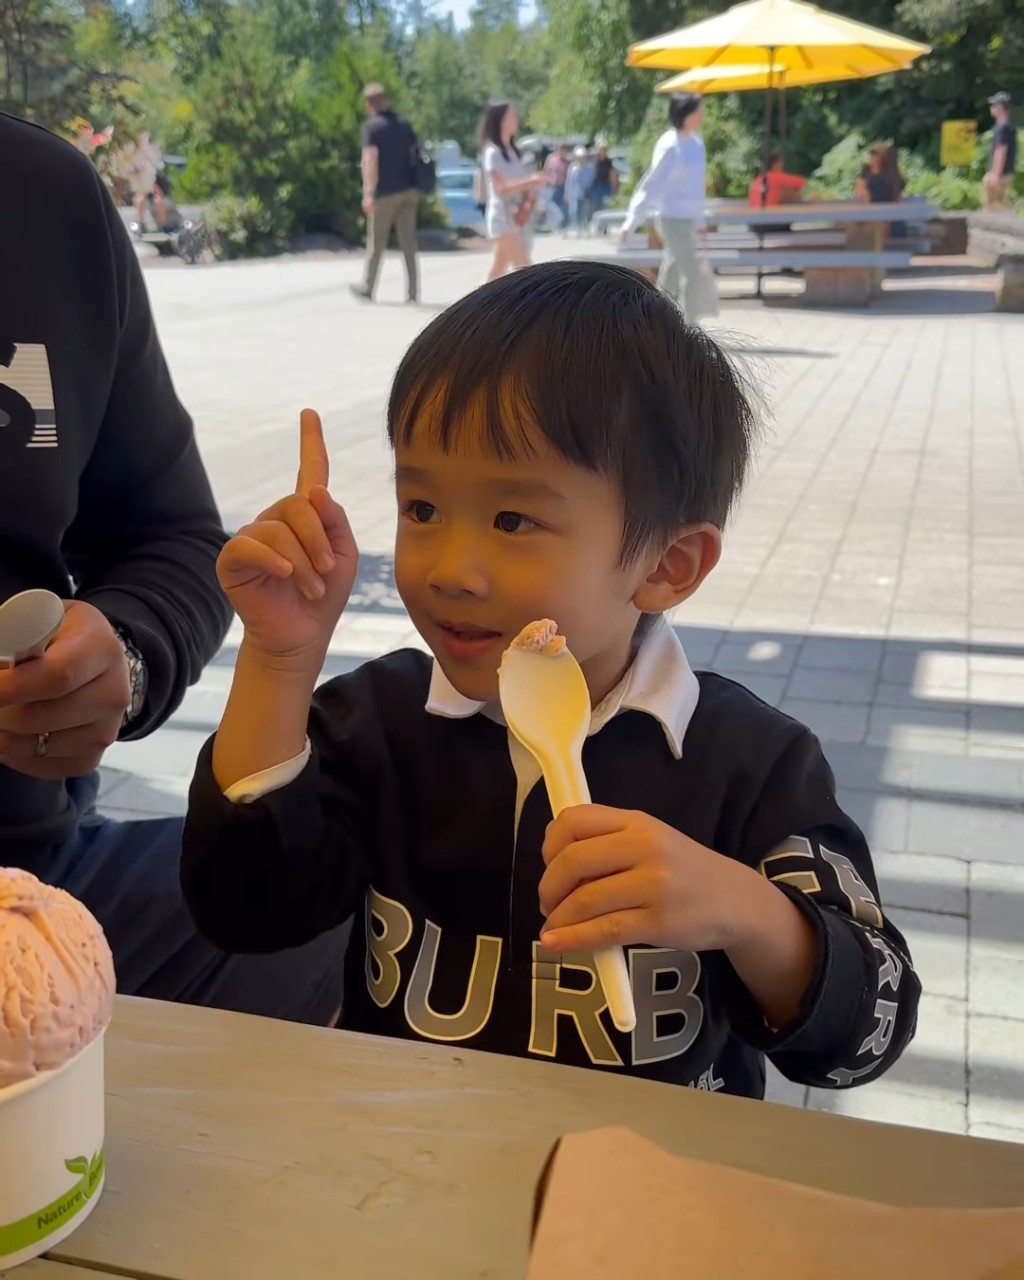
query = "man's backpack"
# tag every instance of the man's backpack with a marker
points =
(424, 171)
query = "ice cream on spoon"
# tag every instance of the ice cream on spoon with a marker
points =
(541, 637)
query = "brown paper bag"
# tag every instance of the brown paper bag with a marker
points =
(612, 1206)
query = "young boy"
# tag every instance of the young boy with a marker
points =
(715, 851)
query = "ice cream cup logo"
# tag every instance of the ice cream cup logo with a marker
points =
(27, 1231)
(54, 1123)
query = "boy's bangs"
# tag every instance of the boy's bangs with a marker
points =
(538, 392)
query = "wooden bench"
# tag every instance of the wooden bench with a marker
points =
(779, 260)
(832, 277)
(803, 238)
(843, 248)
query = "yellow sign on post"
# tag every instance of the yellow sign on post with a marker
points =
(958, 139)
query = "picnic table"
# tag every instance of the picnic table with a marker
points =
(842, 248)
(238, 1146)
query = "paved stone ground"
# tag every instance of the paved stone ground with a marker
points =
(873, 586)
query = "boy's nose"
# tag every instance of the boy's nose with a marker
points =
(457, 570)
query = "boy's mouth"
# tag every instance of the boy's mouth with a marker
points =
(466, 640)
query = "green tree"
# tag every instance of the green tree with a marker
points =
(504, 59)
(60, 59)
(442, 100)
(273, 109)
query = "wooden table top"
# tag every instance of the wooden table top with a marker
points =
(243, 1147)
(45, 1269)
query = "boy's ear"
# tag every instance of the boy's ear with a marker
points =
(681, 569)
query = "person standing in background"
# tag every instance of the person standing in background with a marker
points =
(143, 162)
(556, 170)
(674, 189)
(391, 198)
(1003, 166)
(606, 179)
(577, 190)
(511, 189)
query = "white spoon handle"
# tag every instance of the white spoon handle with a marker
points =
(567, 787)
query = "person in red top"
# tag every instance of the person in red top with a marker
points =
(782, 187)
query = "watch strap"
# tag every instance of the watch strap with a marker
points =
(136, 677)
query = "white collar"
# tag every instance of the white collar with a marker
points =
(659, 683)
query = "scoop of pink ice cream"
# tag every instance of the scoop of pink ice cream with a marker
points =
(540, 637)
(56, 977)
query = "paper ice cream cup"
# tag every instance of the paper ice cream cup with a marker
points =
(51, 1155)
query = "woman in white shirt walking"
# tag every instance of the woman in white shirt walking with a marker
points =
(674, 188)
(511, 189)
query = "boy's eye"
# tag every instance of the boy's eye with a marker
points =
(421, 512)
(513, 522)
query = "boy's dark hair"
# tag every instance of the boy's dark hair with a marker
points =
(681, 106)
(490, 128)
(592, 359)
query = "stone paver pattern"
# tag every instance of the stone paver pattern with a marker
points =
(872, 585)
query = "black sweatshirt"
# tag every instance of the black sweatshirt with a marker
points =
(102, 490)
(406, 820)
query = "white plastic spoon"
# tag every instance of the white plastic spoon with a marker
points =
(28, 622)
(546, 704)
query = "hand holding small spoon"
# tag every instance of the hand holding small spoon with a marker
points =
(28, 622)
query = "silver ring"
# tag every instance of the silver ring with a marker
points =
(42, 745)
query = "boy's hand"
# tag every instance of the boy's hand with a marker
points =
(616, 877)
(289, 574)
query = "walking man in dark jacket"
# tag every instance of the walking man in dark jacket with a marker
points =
(998, 181)
(390, 196)
(105, 502)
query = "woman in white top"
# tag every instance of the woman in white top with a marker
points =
(674, 188)
(511, 189)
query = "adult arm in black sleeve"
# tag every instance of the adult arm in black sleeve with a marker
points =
(860, 1010)
(280, 871)
(144, 545)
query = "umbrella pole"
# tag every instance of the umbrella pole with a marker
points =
(782, 109)
(767, 145)
(766, 152)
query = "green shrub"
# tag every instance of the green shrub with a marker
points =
(433, 215)
(950, 188)
(835, 177)
(245, 227)
(733, 148)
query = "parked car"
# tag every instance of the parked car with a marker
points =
(455, 192)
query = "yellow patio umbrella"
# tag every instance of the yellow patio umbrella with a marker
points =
(792, 35)
(767, 76)
(786, 33)
(730, 79)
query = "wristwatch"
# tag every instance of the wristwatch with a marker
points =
(138, 678)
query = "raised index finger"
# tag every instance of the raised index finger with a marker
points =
(314, 464)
